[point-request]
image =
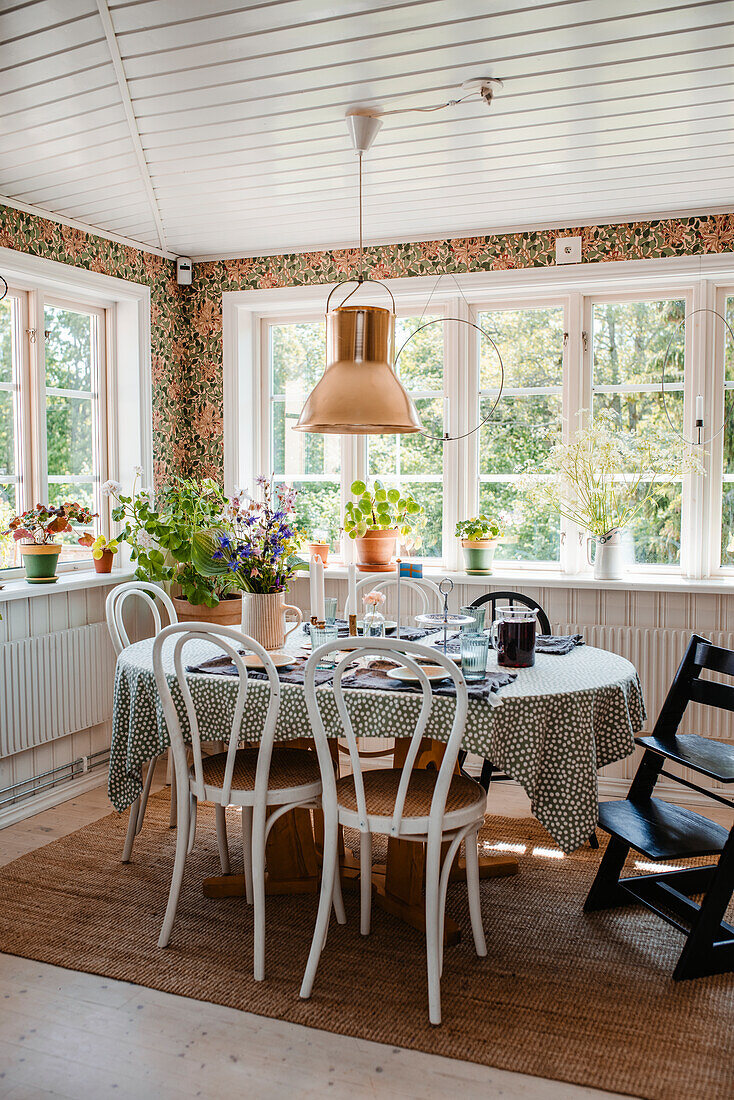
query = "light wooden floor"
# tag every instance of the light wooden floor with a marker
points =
(68, 1034)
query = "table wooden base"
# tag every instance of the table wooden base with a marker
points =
(293, 857)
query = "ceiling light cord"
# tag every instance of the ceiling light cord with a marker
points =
(361, 241)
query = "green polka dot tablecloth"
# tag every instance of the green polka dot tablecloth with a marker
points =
(551, 729)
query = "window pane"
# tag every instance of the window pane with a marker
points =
(301, 452)
(318, 510)
(530, 342)
(420, 363)
(520, 432)
(430, 495)
(643, 412)
(60, 492)
(7, 330)
(7, 433)
(531, 534)
(297, 356)
(9, 552)
(69, 436)
(727, 501)
(69, 339)
(630, 341)
(655, 531)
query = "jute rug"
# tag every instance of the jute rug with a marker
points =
(586, 999)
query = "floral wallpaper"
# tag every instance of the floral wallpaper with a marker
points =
(602, 243)
(186, 322)
(40, 237)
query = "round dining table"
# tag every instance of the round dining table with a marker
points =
(551, 729)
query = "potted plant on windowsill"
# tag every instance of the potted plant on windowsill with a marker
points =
(479, 537)
(256, 549)
(37, 531)
(160, 533)
(377, 519)
(103, 553)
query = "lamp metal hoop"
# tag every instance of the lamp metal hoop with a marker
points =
(4, 291)
(359, 281)
(446, 438)
(689, 442)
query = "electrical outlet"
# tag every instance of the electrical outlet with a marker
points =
(568, 250)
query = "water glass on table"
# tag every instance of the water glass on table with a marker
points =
(320, 635)
(330, 607)
(474, 651)
(478, 614)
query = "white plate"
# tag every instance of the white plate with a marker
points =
(280, 660)
(408, 676)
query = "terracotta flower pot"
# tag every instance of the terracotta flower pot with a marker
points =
(479, 555)
(263, 618)
(320, 548)
(40, 560)
(228, 611)
(375, 551)
(104, 564)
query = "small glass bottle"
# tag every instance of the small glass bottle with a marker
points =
(373, 621)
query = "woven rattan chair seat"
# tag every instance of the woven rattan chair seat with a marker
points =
(381, 788)
(289, 767)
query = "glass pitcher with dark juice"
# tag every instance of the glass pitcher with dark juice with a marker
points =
(513, 636)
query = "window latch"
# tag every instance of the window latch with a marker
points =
(565, 339)
(585, 338)
(31, 334)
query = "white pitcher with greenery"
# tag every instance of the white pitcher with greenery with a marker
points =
(602, 479)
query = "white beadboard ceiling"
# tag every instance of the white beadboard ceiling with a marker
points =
(216, 127)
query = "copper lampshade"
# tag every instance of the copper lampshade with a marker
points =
(359, 392)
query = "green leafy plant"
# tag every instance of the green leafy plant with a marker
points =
(479, 527)
(44, 523)
(160, 533)
(101, 544)
(381, 509)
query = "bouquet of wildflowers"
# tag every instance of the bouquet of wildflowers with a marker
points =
(258, 547)
(605, 476)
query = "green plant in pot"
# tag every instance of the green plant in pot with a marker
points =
(38, 531)
(479, 537)
(377, 519)
(160, 535)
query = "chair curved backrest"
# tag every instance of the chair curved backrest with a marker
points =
(404, 653)
(493, 598)
(149, 594)
(169, 669)
(429, 593)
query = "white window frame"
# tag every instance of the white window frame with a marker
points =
(700, 280)
(125, 385)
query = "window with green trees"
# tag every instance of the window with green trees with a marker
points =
(629, 344)
(9, 421)
(727, 493)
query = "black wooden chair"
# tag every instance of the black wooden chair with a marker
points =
(662, 831)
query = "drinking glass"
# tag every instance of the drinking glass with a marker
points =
(320, 635)
(330, 606)
(478, 614)
(474, 650)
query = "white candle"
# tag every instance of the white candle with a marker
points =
(699, 407)
(352, 574)
(312, 585)
(320, 594)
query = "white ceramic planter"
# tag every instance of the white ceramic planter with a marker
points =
(609, 556)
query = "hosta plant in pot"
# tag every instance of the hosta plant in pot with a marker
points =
(38, 531)
(479, 537)
(160, 531)
(377, 519)
(256, 550)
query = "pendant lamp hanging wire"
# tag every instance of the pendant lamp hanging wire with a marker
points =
(700, 442)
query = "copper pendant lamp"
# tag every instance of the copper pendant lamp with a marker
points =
(359, 392)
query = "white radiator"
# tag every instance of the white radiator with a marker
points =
(656, 654)
(53, 685)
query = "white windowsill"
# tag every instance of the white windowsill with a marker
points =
(553, 578)
(78, 580)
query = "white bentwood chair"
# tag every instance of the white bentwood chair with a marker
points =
(430, 807)
(150, 595)
(429, 594)
(258, 778)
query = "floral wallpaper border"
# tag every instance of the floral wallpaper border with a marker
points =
(495, 252)
(186, 323)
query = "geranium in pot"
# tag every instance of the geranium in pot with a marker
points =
(479, 537)
(377, 519)
(256, 549)
(160, 533)
(38, 529)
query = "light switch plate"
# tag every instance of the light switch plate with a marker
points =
(568, 250)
